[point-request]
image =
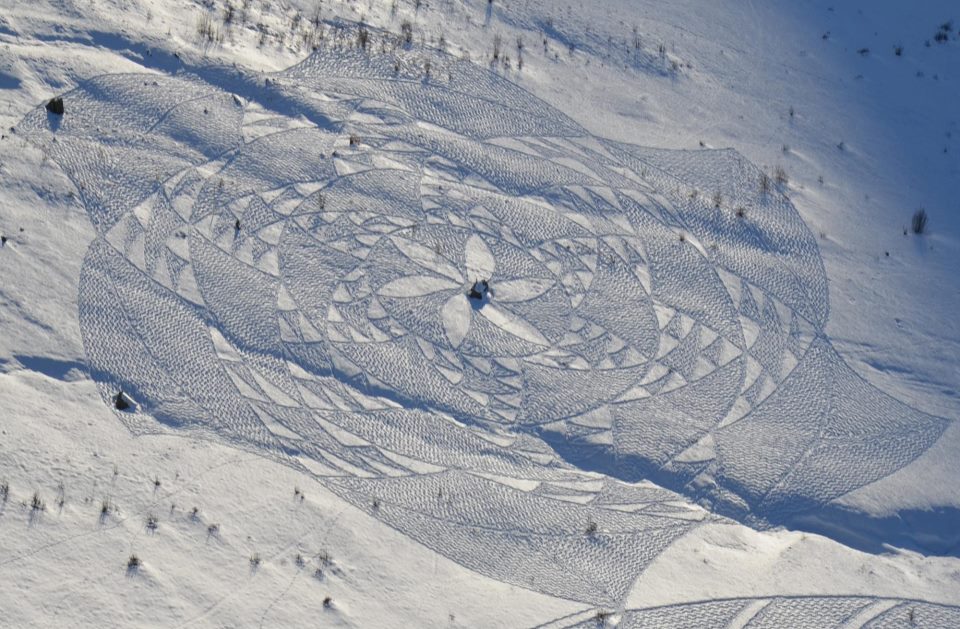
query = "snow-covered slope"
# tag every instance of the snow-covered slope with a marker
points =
(269, 250)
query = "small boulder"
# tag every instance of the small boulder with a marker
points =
(55, 106)
(121, 402)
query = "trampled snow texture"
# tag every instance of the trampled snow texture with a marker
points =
(814, 612)
(296, 284)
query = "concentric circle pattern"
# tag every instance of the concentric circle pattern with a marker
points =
(285, 264)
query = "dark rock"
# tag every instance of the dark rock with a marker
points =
(55, 106)
(121, 402)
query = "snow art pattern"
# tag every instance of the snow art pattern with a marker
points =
(289, 272)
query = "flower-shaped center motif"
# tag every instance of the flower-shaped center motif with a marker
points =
(454, 279)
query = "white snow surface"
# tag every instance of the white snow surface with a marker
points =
(690, 398)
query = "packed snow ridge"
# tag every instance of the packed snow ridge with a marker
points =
(471, 318)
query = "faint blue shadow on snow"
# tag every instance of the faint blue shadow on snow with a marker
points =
(9, 82)
(54, 121)
(933, 531)
(65, 370)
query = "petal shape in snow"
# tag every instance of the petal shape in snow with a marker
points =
(480, 262)
(427, 257)
(416, 286)
(513, 324)
(456, 315)
(522, 290)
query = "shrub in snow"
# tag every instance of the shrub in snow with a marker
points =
(363, 37)
(781, 176)
(943, 34)
(919, 222)
(764, 183)
(105, 509)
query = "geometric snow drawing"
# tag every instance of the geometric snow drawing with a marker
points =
(774, 613)
(288, 271)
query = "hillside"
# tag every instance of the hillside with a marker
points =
(478, 314)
